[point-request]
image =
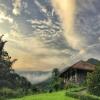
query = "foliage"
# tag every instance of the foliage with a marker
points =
(76, 89)
(81, 94)
(71, 85)
(2, 98)
(55, 73)
(56, 83)
(8, 93)
(11, 84)
(93, 82)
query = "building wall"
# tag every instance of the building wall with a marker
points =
(74, 75)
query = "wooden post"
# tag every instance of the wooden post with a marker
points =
(67, 76)
(76, 76)
(71, 75)
(64, 79)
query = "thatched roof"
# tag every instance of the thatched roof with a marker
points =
(83, 65)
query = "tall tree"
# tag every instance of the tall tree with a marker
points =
(7, 74)
(55, 79)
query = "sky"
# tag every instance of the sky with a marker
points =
(47, 34)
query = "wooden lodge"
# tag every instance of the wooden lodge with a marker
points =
(77, 73)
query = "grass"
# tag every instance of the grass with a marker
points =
(47, 96)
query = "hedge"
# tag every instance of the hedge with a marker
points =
(7, 93)
(82, 96)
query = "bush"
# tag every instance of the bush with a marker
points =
(72, 94)
(93, 82)
(10, 93)
(89, 97)
(2, 98)
(82, 96)
(6, 92)
(77, 89)
(71, 85)
(56, 82)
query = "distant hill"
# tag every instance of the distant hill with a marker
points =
(94, 61)
(35, 77)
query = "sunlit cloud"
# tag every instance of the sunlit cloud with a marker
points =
(47, 35)
(4, 17)
(66, 11)
(35, 54)
(32, 53)
(16, 7)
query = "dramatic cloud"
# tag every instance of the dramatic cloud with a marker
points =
(66, 11)
(16, 7)
(35, 54)
(32, 52)
(4, 17)
(49, 32)
(44, 34)
(43, 9)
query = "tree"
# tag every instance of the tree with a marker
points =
(56, 83)
(55, 74)
(7, 74)
(93, 82)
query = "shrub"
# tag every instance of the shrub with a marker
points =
(77, 89)
(6, 92)
(56, 82)
(89, 97)
(2, 98)
(10, 93)
(71, 85)
(72, 94)
(93, 82)
(82, 96)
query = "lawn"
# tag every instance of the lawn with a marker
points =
(47, 96)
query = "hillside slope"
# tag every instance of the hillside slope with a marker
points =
(94, 61)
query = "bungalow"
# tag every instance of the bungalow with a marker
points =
(77, 73)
